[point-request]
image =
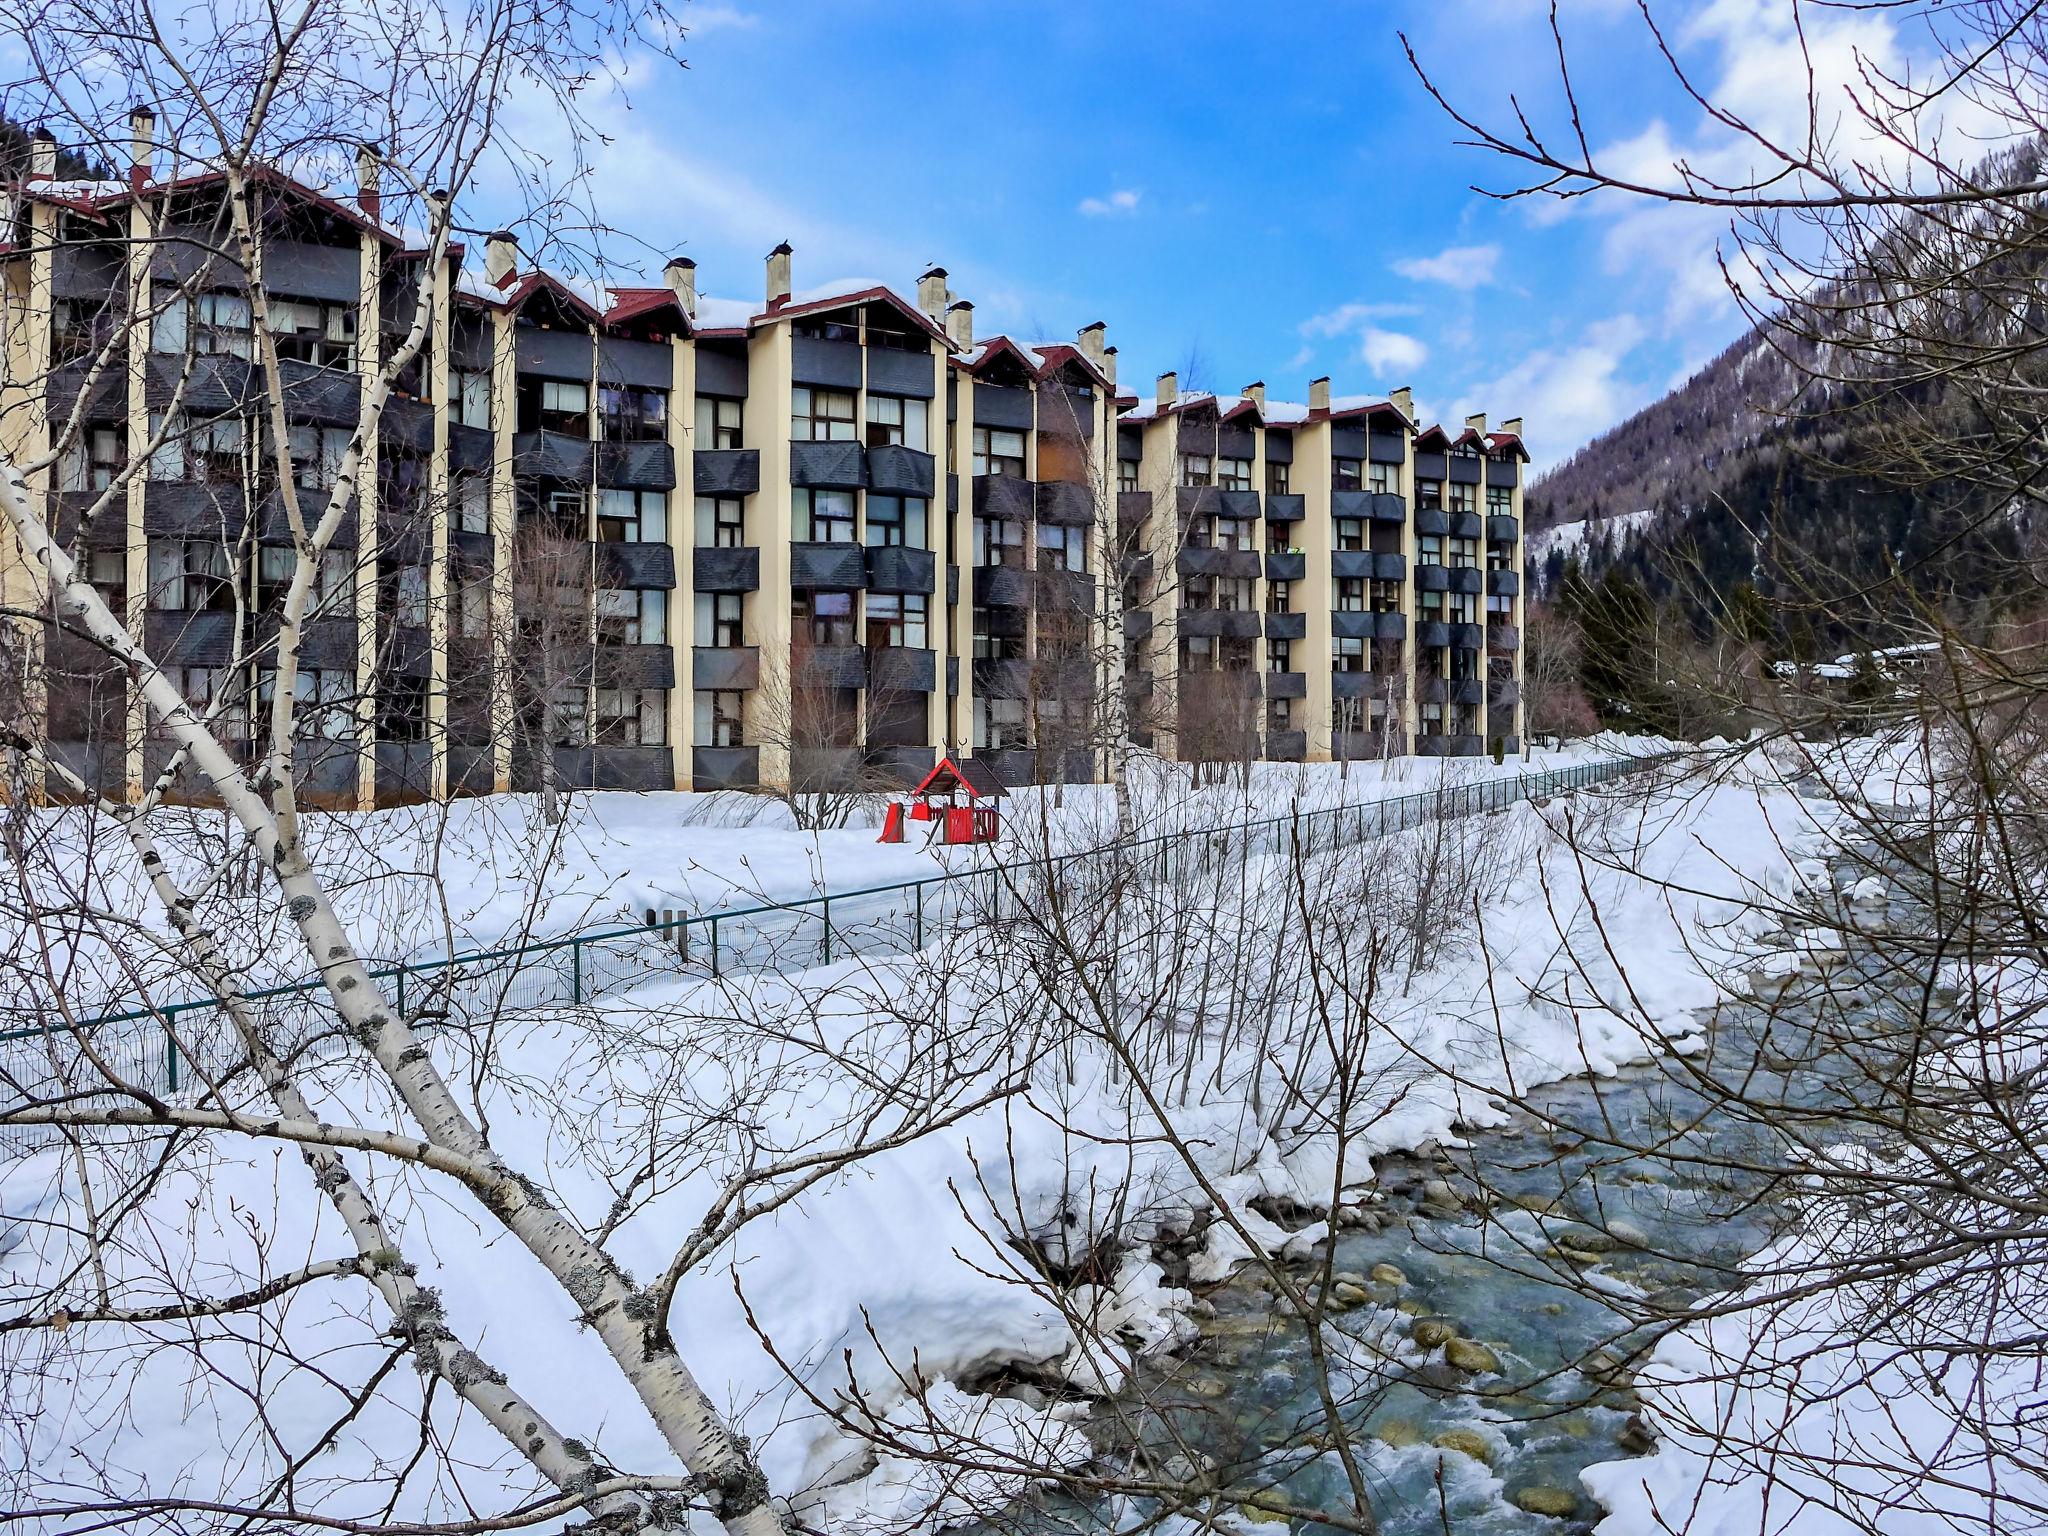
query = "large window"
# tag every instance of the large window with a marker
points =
(93, 458)
(720, 423)
(469, 396)
(471, 494)
(632, 618)
(821, 416)
(1429, 549)
(554, 405)
(307, 331)
(209, 452)
(632, 717)
(997, 542)
(320, 698)
(1234, 474)
(1351, 533)
(998, 723)
(994, 647)
(1276, 478)
(401, 709)
(821, 517)
(1234, 594)
(402, 593)
(1277, 599)
(898, 619)
(1350, 654)
(188, 575)
(334, 581)
(1347, 474)
(896, 520)
(1384, 478)
(632, 517)
(1236, 533)
(897, 420)
(721, 522)
(1464, 498)
(719, 719)
(1062, 549)
(1464, 554)
(1126, 474)
(1429, 495)
(998, 451)
(211, 324)
(1196, 469)
(719, 622)
(317, 453)
(1279, 656)
(823, 618)
(634, 415)
(1500, 501)
(210, 691)
(1351, 594)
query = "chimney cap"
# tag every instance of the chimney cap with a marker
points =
(43, 133)
(141, 110)
(503, 234)
(679, 261)
(784, 249)
(959, 304)
(1255, 384)
(1094, 325)
(934, 271)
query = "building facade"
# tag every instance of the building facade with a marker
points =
(640, 539)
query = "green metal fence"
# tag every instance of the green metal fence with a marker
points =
(160, 1047)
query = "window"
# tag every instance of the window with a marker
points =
(1464, 666)
(1236, 533)
(1350, 655)
(633, 415)
(1198, 593)
(719, 719)
(1279, 656)
(1464, 554)
(188, 575)
(721, 522)
(1498, 609)
(554, 405)
(632, 517)
(719, 421)
(827, 330)
(1432, 605)
(469, 396)
(209, 690)
(895, 521)
(632, 717)
(1385, 478)
(473, 609)
(93, 458)
(998, 724)
(897, 619)
(1062, 549)
(1429, 549)
(1347, 474)
(1196, 469)
(632, 618)
(1234, 474)
(1429, 495)
(1126, 474)
(896, 420)
(563, 721)
(307, 331)
(824, 618)
(1463, 607)
(719, 624)
(820, 416)
(1234, 594)
(333, 592)
(1351, 594)
(1351, 533)
(1277, 599)
(821, 517)
(471, 494)
(402, 593)
(1500, 501)
(81, 327)
(997, 542)
(208, 453)
(401, 709)
(317, 453)
(998, 452)
(1463, 498)
(1276, 478)
(106, 571)
(994, 647)
(218, 325)
(1279, 714)
(1386, 596)
(320, 698)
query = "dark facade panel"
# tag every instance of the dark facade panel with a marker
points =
(1354, 685)
(1387, 448)
(725, 570)
(834, 466)
(903, 669)
(899, 767)
(1503, 696)
(471, 552)
(833, 666)
(405, 771)
(404, 650)
(1130, 442)
(1351, 564)
(1503, 583)
(1132, 509)
(1390, 567)
(1004, 497)
(901, 569)
(1503, 471)
(180, 509)
(1388, 507)
(1014, 766)
(1282, 508)
(952, 583)
(1191, 501)
(1235, 442)
(725, 471)
(1466, 525)
(636, 466)
(725, 667)
(725, 768)
(324, 643)
(1286, 746)
(87, 270)
(826, 364)
(1284, 566)
(552, 456)
(273, 527)
(1286, 685)
(1231, 624)
(892, 371)
(1064, 503)
(1286, 626)
(1429, 520)
(837, 565)
(1432, 690)
(1390, 626)
(294, 269)
(1002, 679)
(329, 397)
(1432, 635)
(1348, 442)
(1503, 637)
(109, 390)
(1501, 529)
(1351, 503)
(470, 448)
(1450, 746)
(326, 770)
(633, 768)
(190, 639)
(1464, 471)
(1430, 466)
(109, 528)
(1432, 578)
(1243, 504)
(721, 371)
(1003, 405)
(1002, 586)
(470, 770)
(406, 424)
(1468, 637)
(635, 666)
(1138, 623)
(1220, 562)
(1468, 579)
(552, 354)
(100, 766)
(1066, 592)
(1351, 625)
(636, 567)
(1363, 746)
(642, 364)
(901, 471)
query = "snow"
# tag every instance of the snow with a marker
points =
(1572, 539)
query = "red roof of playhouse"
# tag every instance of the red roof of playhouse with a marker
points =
(978, 778)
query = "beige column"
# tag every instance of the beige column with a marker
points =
(1311, 480)
(1404, 703)
(960, 554)
(936, 632)
(766, 613)
(141, 240)
(24, 587)
(682, 542)
(1159, 473)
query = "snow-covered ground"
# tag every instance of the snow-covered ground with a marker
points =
(1572, 539)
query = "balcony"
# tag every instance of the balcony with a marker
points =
(472, 554)
(1501, 529)
(725, 667)
(892, 371)
(1505, 472)
(1133, 508)
(899, 568)
(1002, 678)
(1137, 623)
(330, 397)
(1466, 525)
(828, 466)
(1503, 637)
(840, 565)
(725, 570)
(471, 449)
(1503, 583)
(832, 364)
(1352, 564)
(632, 768)
(832, 666)
(1468, 579)
(1503, 696)
(406, 424)
(1450, 746)
(178, 509)
(725, 768)
(1225, 623)
(899, 471)
(1432, 520)
(1006, 498)
(1192, 501)
(1240, 504)
(1003, 586)
(552, 456)
(205, 639)
(902, 669)
(1286, 685)
(725, 471)
(1390, 626)
(1064, 503)
(636, 567)
(1286, 565)
(1282, 507)
(1467, 637)
(636, 466)
(1286, 746)
(1363, 746)
(1066, 591)
(1353, 624)
(1432, 578)
(1286, 626)
(1432, 634)
(635, 666)
(1357, 685)
(1220, 562)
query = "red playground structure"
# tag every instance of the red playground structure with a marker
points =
(958, 797)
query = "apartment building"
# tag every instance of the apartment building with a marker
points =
(637, 538)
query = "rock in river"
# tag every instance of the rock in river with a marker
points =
(1561, 1503)
(1467, 1442)
(1469, 1355)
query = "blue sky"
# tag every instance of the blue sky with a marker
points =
(1240, 191)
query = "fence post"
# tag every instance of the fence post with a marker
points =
(576, 972)
(170, 1052)
(714, 944)
(827, 904)
(401, 989)
(919, 890)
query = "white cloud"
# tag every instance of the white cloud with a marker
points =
(1458, 266)
(1569, 393)
(1347, 318)
(1390, 351)
(1122, 200)
(702, 16)
(1381, 350)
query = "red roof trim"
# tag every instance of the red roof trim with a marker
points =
(635, 302)
(1433, 432)
(1508, 442)
(527, 284)
(910, 312)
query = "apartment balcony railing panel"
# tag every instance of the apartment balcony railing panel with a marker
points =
(1503, 696)
(189, 639)
(1432, 634)
(821, 770)
(1003, 586)
(1286, 746)
(1503, 583)
(1286, 565)
(629, 360)
(552, 354)
(471, 553)
(328, 397)
(1282, 507)
(725, 667)
(1468, 579)
(725, 768)
(633, 768)
(1065, 504)
(1351, 503)
(636, 567)
(725, 570)
(87, 270)
(1066, 592)
(1064, 677)
(1501, 528)
(1074, 765)
(406, 424)
(839, 565)
(1286, 685)
(1241, 504)
(1510, 745)
(1432, 520)
(1357, 685)
(327, 771)
(1279, 447)
(635, 666)
(1464, 471)
(1363, 746)
(101, 766)
(721, 371)
(1220, 562)
(1390, 566)
(274, 527)
(325, 642)
(1138, 623)
(1001, 405)
(1002, 679)
(308, 271)
(552, 456)
(471, 770)
(1348, 441)
(216, 386)
(901, 471)
(1232, 624)
(1390, 626)
(173, 509)
(109, 391)
(1139, 567)
(1450, 746)
(1467, 637)
(636, 466)
(828, 466)
(1286, 626)
(1006, 498)
(895, 372)
(404, 536)
(832, 666)
(1352, 625)
(952, 493)
(1352, 564)
(725, 471)
(1503, 637)
(1466, 525)
(1192, 501)
(1235, 442)
(902, 669)
(1432, 578)
(404, 650)
(1133, 509)
(827, 364)
(405, 772)
(898, 767)
(1506, 472)
(1388, 448)
(898, 568)
(1430, 466)
(471, 450)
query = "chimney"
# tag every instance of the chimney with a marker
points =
(1109, 365)
(1256, 393)
(960, 324)
(1476, 423)
(778, 274)
(501, 258)
(1512, 426)
(141, 145)
(369, 187)
(681, 276)
(42, 155)
(1169, 389)
(1091, 338)
(932, 296)
(1404, 401)
(1319, 394)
